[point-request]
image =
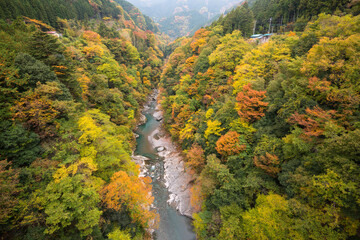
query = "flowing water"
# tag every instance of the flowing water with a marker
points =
(173, 225)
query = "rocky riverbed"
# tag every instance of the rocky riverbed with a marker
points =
(177, 180)
(159, 158)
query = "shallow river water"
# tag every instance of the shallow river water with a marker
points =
(173, 225)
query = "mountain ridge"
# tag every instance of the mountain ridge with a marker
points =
(49, 11)
(180, 18)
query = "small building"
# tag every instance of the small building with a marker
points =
(268, 35)
(54, 33)
(258, 36)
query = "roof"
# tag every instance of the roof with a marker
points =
(257, 36)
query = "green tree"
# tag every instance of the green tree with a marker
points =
(9, 191)
(43, 46)
(18, 145)
(69, 201)
(240, 18)
(33, 71)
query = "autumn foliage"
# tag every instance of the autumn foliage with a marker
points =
(199, 40)
(250, 105)
(228, 144)
(279, 113)
(92, 36)
(195, 158)
(197, 197)
(254, 119)
(134, 193)
(69, 100)
(270, 163)
(9, 190)
(314, 121)
(38, 114)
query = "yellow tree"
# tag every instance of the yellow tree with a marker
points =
(230, 52)
(260, 64)
(213, 127)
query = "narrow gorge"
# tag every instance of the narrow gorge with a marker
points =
(160, 159)
(246, 128)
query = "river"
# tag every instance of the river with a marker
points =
(172, 225)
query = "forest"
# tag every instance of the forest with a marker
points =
(269, 130)
(49, 11)
(68, 109)
(286, 14)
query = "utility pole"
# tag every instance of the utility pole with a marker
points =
(297, 17)
(270, 25)
(254, 27)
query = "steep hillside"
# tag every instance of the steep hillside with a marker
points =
(142, 21)
(50, 10)
(182, 23)
(165, 8)
(296, 13)
(69, 101)
(270, 131)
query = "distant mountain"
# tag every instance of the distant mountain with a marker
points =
(178, 18)
(165, 8)
(142, 21)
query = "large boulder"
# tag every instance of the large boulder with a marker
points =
(160, 149)
(142, 119)
(158, 115)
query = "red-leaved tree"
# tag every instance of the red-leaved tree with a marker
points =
(250, 105)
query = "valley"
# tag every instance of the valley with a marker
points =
(117, 126)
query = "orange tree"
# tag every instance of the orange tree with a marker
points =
(134, 193)
(229, 144)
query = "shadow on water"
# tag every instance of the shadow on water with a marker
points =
(173, 225)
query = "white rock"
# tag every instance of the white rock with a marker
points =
(146, 108)
(140, 160)
(158, 115)
(160, 149)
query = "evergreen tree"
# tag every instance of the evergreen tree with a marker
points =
(33, 70)
(240, 18)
